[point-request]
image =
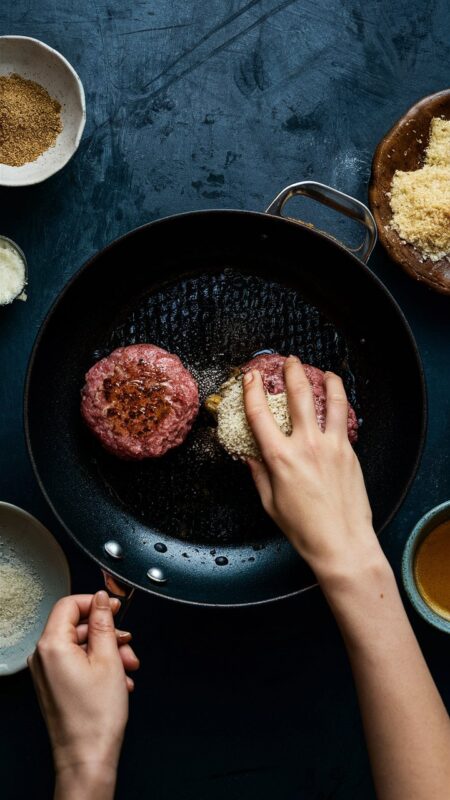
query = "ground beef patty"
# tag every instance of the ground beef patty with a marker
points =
(232, 428)
(139, 401)
(271, 368)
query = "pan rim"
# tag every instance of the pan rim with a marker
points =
(246, 213)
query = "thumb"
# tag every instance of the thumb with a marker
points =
(102, 641)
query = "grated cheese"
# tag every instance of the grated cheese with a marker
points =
(233, 430)
(12, 273)
(420, 200)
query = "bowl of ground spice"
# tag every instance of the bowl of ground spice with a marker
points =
(409, 191)
(42, 111)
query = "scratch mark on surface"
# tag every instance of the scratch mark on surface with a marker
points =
(170, 82)
(219, 48)
(100, 30)
(162, 28)
(204, 39)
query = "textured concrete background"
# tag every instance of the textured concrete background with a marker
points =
(201, 105)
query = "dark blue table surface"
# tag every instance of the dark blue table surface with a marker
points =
(202, 105)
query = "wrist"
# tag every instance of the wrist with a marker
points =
(85, 754)
(365, 602)
(87, 780)
(359, 564)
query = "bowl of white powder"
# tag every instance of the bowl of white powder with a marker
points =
(34, 574)
(13, 272)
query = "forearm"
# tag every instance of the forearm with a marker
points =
(406, 724)
(85, 782)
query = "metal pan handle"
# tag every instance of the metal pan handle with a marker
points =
(121, 591)
(334, 199)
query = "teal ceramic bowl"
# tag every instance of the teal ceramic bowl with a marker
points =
(431, 520)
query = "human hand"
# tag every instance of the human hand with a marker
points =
(79, 672)
(311, 483)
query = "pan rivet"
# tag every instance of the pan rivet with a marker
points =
(156, 575)
(113, 549)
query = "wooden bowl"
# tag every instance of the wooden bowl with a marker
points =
(404, 148)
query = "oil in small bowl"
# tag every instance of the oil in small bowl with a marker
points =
(432, 569)
(426, 567)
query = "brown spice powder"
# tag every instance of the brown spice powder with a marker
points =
(30, 120)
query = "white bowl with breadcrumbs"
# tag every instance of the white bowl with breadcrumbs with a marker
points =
(36, 61)
(34, 574)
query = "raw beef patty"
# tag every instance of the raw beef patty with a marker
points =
(271, 368)
(227, 405)
(139, 401)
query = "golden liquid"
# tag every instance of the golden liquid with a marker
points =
(432, 569)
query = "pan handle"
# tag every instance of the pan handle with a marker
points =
(334, 199)
(121, 591)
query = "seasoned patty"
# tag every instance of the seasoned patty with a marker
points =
(233, 430)
(140, 401)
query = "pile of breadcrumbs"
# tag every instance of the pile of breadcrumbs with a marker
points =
(420, 200)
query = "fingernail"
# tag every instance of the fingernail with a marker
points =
(124, 635)
(102, 599)
(292, 358)
(248, 377)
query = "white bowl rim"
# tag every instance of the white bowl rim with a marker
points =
(44, 46)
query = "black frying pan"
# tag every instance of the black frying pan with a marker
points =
(215, 287)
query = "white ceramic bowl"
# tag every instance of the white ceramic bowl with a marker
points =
(21, 254)
(37, 548)
(38, 62)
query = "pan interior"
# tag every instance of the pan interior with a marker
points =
(213, 321)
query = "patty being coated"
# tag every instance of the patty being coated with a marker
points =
(233, 430)
(271, 368)
(140, 401)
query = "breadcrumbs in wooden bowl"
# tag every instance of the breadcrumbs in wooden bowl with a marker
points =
(409, 192)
